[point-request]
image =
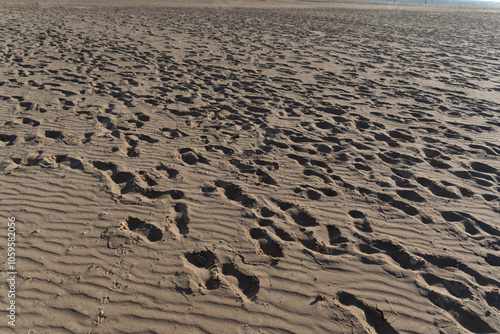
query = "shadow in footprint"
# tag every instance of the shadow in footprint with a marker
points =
(31, 122)
(9, 139)
(172, 173)
(268, 245)
(456, 288)
(182, 218)
(201, 259)
(151, 232)
(235, 193)
(248, 284)
(373, 315)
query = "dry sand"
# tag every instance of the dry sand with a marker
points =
(300, 168)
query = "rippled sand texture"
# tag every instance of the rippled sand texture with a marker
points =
(286, 170)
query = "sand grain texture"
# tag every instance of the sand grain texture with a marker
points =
(247, 160)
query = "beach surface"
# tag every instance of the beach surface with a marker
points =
(249, 167)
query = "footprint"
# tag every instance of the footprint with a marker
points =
(201, 259)
(147, 139)
(70, 162)
(54, 134)
(140, 183)
(397, 252)
(402, 135)
(437, 189)
(405, 207)
(88, 137)
(268, 164)
(437, 163)
(138, 124)
(146, 230)
(264, 177)
(172, 172)
(31, 122)
(173, 133)
(482, 167)
(235, 193)
(315, 194)
(130, 232)
(266, 243)
(266, 212)
(361, 166)
(106, 122)
(492, 259)
(301, 160)
(119, 237)
(466, 317)
(334, 235)
(191, 158)
(132, 150)
(456, 288)
(207, 260)
(493, 298)
(280, 232)
(127, 180)
(410, 195)
(248, 284)
(470, 223)
(224, 149)
(8, 139)
(300, 216)
(374, 317)
(242, 167)
(208, 190)
(321, 175)
(356, 214)
(179, 217)
(310, 241)
(142, 117)
(27, 106)
(104, 166)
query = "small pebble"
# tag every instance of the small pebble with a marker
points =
(103, 214)
(84, 233)
(414, 261)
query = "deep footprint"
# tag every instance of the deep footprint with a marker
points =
(268, 245)
(249, 285)
(151, 232)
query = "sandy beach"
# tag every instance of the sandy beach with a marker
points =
(249, 167)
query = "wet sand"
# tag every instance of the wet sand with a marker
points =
(257, 167)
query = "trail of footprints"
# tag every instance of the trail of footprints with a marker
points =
(271, 234)
(339, 121)
(271, 241)
(133, 230)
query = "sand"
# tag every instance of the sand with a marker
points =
(235, 167)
